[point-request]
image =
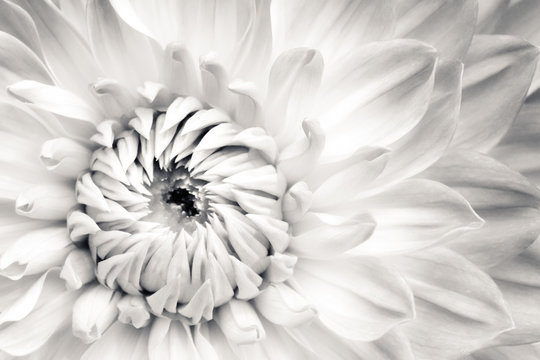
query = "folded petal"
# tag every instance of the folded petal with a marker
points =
(502, 197)
(448, 25)
(458, 307)
(356, 298)
(498, 72)
(375, 94)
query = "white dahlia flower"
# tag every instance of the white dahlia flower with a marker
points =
(269, 179)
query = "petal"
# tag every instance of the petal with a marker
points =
(67, 53)
(458, 307)
(448, 25)
(324, 344)
(428, 140)
(357, 298)
(78, 269)
(170, 340)
(335, 28)
(498, 72)
(119, 342)
(527, 11)
(239, 322)
(29, 334)
(489, 14)
(15, 21)
(415, 214)
(293, 83)
(519, 281)
(46, 202)
(375, 95)
(524, 352)
(55, 100)
(320, 236)
(35, 252)
(124, 53)
(18, 62)
(65, 157)
(520, 145)
(502, 197)
(282, 305)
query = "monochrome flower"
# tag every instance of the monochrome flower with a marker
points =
(256, 179)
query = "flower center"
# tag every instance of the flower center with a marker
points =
(187, 208)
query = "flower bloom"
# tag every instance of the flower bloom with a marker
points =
(265, 179)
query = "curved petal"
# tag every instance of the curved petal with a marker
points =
(520, 146)
(323, 344)
(489, 14)
(448, 25)
(524, 352)
(29, 334)
(375, 94)
(124, 53)
(15, 21)
(356, 298)
(458, 307)
(18, 62)
(120, 342)
(519, 281)
(498, 72)
(66, 52)
(335, 27)
(430, 138)
(414, 214)
(292, 87)
(503, 198)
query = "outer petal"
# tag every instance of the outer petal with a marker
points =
(415, 214)
(448, 25)
(519, 281)
(375, 95)
(119, 342)
(29, 334)
(124, 53)
(357, 298)
(498, 72)
(521, 20)
(326, 345)
(18, 62)
(524, 352)
(503, 198)
(489, 14)
(458, 306)
(66, 51)
(335, 27)
(428, 140)
(520, 147)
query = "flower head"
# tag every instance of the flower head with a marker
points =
(266, 179)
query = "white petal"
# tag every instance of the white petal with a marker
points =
(282, 305)
(498, 72)
(375, 94)
(93, 312)
(356, 298)
(239, 322)
(46, 202)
